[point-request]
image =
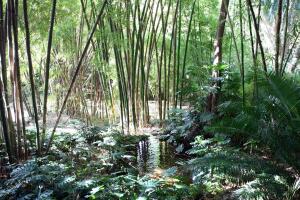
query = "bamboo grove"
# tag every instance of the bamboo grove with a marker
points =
(123, 55)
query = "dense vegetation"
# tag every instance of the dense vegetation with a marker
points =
(150, 99)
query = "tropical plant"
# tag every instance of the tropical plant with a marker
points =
(271, 120)
(218, 165)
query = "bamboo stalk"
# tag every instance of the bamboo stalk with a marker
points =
(47, 68)
(78, 67)
(31, 75)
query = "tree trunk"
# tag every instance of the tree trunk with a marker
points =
(256, 21)
(31, 75)
(2, 87)
(213, 96)
(47, 69)
(4, 125)
(277, 36)
(285, 35)
(185, 55)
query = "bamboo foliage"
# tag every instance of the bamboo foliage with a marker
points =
(78, 67)
(144, 30)
(138, 53)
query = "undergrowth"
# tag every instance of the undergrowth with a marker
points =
(93, 163)
(248, 149)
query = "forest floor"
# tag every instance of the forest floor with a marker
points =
(85, 159)
(99, 162)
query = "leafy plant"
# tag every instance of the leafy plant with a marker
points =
(218, 165)
(147, 187)
(270, 122)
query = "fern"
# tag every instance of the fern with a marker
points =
(273, 121)
(263, 187)
(218, 162)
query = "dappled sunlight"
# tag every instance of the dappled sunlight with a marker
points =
(149, 99)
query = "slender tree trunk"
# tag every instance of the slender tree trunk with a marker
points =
(175, 57)
(254, 57)
(3, 30)
(4, 125)
(3, 117)
(18, 81)
(172, 51)
(285, 35)
(47, 69)
(258, 39)
(13, 134)
(178, 53)
(185, 54)
(277, 36)
(165, 62)
(290, 53)
(31, 76)
(242, 50)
